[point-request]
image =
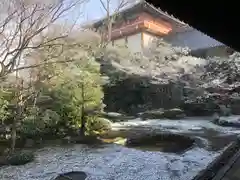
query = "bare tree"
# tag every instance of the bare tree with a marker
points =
(23, 25)
(112, 14)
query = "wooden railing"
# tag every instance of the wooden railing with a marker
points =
(156, 28)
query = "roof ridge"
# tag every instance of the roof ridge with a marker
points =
(142, 2)
(164, 13)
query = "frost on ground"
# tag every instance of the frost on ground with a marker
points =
(184, 125)
(112, 162)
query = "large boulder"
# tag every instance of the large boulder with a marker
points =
(3, 161)
(202, 108)
(225, 111)
(174, 113)
(74, 175)
(115, 117)
(165, 142)
(140, 93)
(29, 143)
(161, 114)
(154, 114)
(228, 122)
(235, 104)
(17, 158)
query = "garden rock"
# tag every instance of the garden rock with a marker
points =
(74, 175)
(174, 114)
(233, 122)
(161, 114)
(19, 158)
(29, 143)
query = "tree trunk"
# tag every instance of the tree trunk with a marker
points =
(109, 23)
(109, 30)
(17, 117)
(83, 125)
(83, 117)
(14, 135)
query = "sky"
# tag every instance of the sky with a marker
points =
(89, 11)
(93, 10)
(83, 13)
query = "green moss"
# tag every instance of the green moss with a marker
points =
(120, 141)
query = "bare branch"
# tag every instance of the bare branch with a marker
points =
(110, 18)
(23, 24)
(104, 6)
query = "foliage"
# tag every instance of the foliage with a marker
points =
(223, 70)
(4, 103)
(204, 82)
(99, 125)
(161, 62)
(56, 97)
(75, 85)
(65, 92)
(39, 122)
(20, 158)
(32, 125)
(29, 21)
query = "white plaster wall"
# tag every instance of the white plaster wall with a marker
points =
(148, 39)
(133, 42)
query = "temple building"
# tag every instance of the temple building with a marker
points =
(139, 24)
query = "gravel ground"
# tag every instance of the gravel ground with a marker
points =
(187, 125)
(115, 162)
(112, 162)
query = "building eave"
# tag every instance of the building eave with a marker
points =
(147, 7)
(163, 15)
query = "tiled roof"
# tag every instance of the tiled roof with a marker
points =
(193, 39)
(151, 8)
